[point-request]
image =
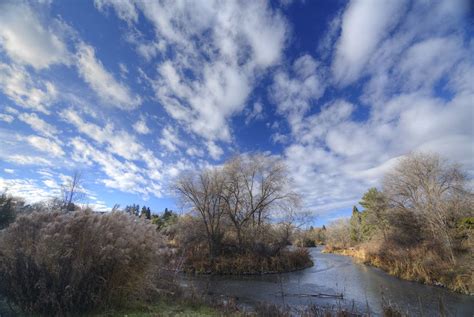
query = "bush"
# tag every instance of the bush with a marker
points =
(53, 263)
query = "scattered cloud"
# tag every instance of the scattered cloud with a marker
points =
(294, 90)
(25, 91)
(26, 40)
(6, 118)
(340, 106)
(28, 189)
(170, 139)
(37, 124)
(28, 160)
(224, 45)
(256, 113)
(141, 127)
(364, 24)
(45, 145)
(103, 83)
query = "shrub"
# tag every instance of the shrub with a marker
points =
(53, 263)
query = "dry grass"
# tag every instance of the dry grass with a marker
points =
(424, 263)
(252, 263)
(53, 263)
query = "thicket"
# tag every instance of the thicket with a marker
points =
(310, 237)
(242, 217)
(56, 262)
(418, 227)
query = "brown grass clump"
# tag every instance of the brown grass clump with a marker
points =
(423, 263)
(53, 263)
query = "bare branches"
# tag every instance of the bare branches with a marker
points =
(72, 191)
(244, 192)
(432, 190)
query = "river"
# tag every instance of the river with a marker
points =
(362, 286)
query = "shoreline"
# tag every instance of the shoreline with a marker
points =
(360, 257)
(247, 273)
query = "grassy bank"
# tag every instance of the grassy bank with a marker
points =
(167, 308)
(408, 264)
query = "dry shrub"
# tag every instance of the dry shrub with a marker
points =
(424, 262)
(53, 263)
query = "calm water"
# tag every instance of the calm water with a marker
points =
(362, 286)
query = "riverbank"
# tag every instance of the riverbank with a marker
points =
(419, 265)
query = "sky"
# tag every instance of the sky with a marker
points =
(134, 92)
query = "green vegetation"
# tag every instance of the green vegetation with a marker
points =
(419, 227)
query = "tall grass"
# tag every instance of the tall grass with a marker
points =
(53, 263)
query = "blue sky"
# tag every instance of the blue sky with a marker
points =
(135, 92)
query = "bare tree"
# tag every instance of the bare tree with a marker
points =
(253, 185)
(72, 191)
(203, 192)
(433, 190)
(339, 234)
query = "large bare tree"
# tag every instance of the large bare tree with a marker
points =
(433, 190)
(254, 184)
(203, 192)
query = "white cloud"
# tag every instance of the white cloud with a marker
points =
(102, 82)
(117, 142)
(38, 124)
(141, 127)
(125, 9)
(336, 155)
(193, 151)
(11, 110)
(28, 189)
(170, 139)
(214, 150)
(220, 48)
(28, 160)
(46, 145)
(336, 158)
(124, 176)
(32, 93)
(293, 91)
(425, 62)
(123, 70)
(6, 118)
(26, 40)
(9, 170)
(364, 24)
(255, 114)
